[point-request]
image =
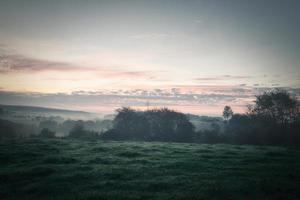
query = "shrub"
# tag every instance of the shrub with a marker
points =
(47, 133)
(78, 131)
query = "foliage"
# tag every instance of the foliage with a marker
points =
(151, 125)
(7, 129)
(78, 131)
(273, 119)
(49, 124)
(227, 113)
(277, 106)
(47, 133)
(11, 130)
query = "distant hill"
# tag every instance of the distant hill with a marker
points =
(36, 109)
(12, 112)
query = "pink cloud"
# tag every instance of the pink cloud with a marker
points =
(19, 63)
(107, 101)
(22, 64)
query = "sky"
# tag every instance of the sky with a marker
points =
(191, 56)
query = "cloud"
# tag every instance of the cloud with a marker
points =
(13, 63)
(151, 36)
(109, 101)
(221, 78)
(128, 74)
(19, 63)
(202, 100)
(198, 21)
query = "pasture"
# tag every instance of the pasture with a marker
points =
(82, 169)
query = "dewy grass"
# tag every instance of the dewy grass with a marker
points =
(78, 169)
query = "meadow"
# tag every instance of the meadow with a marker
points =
(95, 169)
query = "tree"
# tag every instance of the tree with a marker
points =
(78, 131)
(151, 125)
(49, 124)
(47, 133)
(272, 120)
(130, 124)
(227, 113)
(7, 129)
(277, 106)
(241, 129)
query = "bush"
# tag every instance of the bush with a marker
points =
(46, 133)
(7, 129)
(78, 131)
(151, 125)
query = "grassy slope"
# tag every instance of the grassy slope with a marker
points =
(73, 169)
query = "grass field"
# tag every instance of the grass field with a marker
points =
(75, 169)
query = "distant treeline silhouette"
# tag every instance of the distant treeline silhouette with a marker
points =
(151, 125)
(49, 127)
(273, 119)
(10, 130)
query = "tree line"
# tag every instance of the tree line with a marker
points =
(273, 119)
(151, 125)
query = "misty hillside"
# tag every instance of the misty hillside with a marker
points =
(18, 113)
(18, 110)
